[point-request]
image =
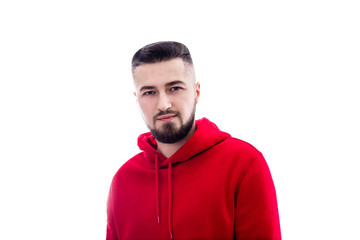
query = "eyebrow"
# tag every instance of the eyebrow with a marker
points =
(174, 83)
(146, 88)
(166, 85)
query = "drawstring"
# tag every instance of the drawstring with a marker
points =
(169, 194)
(170, 201)
(157, 188)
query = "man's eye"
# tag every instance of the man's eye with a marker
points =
(149, 93)
(174, 88)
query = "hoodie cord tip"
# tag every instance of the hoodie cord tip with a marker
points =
(171, 236)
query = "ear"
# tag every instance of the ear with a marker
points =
(197, 91)
(136, 99)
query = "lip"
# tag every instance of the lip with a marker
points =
(166, 118)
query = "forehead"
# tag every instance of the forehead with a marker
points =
(156, 74)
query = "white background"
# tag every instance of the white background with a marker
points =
(282, 75)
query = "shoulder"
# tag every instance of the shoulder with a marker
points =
(236, 154)
(129, 166)
(246, 161)
(241, 155)
(240, 147)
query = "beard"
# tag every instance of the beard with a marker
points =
(168, 133)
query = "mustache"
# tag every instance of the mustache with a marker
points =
(161, 113)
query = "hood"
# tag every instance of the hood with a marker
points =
(206, 135)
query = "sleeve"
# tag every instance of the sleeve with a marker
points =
(111, 233)
(256, 210)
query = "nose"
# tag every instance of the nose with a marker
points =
(164, 102)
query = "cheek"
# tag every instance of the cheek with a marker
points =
(187, 106)
(146, 108)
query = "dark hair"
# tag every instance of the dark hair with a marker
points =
(160, 52)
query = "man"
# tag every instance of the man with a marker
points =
(191, 180)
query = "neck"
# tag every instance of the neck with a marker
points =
(168, 149)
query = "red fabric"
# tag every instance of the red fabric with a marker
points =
(215, 187)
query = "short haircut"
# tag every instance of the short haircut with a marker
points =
(161, 52)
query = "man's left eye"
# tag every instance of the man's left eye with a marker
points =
(174, 88)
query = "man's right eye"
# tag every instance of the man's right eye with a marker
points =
(149, 93)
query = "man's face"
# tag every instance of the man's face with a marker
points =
(167, 95)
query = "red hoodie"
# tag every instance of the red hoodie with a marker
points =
(213, 187)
